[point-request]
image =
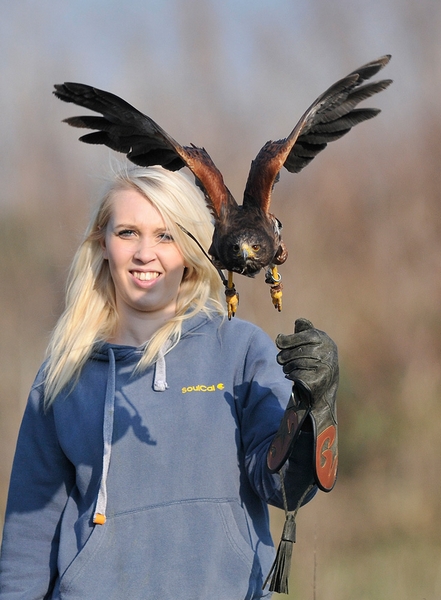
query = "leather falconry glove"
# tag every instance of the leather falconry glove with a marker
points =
(309, 358)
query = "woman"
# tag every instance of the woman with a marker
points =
(140, 470)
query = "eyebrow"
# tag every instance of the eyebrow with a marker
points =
(133, 226)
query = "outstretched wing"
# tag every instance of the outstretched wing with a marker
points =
(125, 129)
(330, 117)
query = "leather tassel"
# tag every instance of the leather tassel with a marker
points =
(279, 573)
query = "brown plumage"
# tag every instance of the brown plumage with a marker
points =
(247, 237)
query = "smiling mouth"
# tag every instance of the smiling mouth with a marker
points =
(145, 276)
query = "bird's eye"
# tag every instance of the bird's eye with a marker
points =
(255, 247)
(236, 248)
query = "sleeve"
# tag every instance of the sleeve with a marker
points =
(265, 396)
(41, 480)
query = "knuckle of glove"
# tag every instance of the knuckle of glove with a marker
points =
(284, 341)
(294, 340)
(328, 354)
(318, 370)
(294, 371)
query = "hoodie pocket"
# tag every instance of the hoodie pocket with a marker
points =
(232, 532)
(79, 567)
(191, 550)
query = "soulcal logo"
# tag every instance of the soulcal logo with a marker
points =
(203, 388)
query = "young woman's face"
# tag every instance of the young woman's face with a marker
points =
(145, 263)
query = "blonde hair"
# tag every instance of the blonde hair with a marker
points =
(91, 317)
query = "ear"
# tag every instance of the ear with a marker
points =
(184, 273)
(103, 247)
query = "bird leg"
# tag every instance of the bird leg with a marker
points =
(273, 277)
(231, 295)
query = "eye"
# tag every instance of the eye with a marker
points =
(165, 237)
(126, 233)
(255, 247)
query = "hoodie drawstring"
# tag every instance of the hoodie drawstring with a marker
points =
(159, 381)
(159, 385)
(99, 517)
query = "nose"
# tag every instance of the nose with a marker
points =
(144, 252)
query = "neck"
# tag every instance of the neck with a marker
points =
(139, 328)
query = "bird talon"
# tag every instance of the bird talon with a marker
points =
(232, 298)
(231, 295)
(276, 296)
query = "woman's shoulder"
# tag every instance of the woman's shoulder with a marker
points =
(235, 329)
(242, 327)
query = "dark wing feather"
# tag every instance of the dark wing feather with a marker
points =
(330, 117)
(310, 144)
(125, 129)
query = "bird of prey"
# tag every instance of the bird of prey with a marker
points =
(247, 238)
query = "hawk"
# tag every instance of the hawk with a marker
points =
(248, 237)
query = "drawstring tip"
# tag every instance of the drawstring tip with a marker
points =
(99, 519)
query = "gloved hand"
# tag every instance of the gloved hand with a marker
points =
(309, 358)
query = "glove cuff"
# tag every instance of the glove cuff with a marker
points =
(325, 447)
(325, 430)
(288, 432)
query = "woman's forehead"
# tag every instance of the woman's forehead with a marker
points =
(132, 206)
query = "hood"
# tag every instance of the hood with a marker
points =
(134, 353)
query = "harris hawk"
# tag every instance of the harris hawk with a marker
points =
(247, 238)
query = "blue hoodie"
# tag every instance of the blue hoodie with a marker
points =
(175, 457)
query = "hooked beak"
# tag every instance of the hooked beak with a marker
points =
(246, 252)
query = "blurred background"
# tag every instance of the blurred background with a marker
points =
(362, 222)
